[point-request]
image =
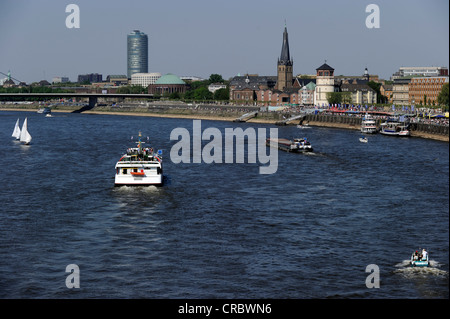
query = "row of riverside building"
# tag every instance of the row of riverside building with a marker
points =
(414, 85)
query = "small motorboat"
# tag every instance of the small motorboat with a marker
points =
(419, 259)
(363, 139)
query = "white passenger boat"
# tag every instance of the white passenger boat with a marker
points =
(139, 166)
(296, 145)
(394, 128)
(363, 140)
(368, 125)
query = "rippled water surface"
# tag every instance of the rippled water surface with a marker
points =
(219, 230)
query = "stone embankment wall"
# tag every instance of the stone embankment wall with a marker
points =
(430, 128)
(356, 121)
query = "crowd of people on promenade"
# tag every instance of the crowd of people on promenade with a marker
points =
(414, 115)
(444, 121)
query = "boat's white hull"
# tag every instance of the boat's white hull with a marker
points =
(420, 262)
(149, 173)
(138, 180)
(369, 130)
(395, 133)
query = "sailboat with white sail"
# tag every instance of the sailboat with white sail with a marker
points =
(25, 137)
(16, 132)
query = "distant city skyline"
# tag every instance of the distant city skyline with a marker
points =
(203, 37)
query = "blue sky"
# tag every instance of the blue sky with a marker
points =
(201, 37)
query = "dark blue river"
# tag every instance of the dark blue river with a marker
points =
(219, 230)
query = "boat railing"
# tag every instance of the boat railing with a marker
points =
(154, 160)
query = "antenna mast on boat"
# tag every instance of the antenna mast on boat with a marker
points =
(139, 142)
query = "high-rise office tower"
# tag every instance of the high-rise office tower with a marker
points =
(137, 53)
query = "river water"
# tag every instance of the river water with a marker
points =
(219, 230)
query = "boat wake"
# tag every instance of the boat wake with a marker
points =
(133, 189)
(405, 269)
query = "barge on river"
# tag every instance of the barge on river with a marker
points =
(297, 145)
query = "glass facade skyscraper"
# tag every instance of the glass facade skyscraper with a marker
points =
(137, 53)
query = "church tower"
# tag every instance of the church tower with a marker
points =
(284, 80)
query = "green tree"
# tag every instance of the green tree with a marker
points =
(334, 97)
(346, 97)
(376, 87)
(215, 78)
(222, 94)
(123, 90)
(174, 96)
(137, 89)
(197, 84)
(202, 93)
(132, 89)
(443, 97)
(189, 95)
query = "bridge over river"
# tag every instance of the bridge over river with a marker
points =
(93, 97)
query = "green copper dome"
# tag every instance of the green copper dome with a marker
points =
(169, 78)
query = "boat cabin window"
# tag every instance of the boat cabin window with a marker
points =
(124, 171)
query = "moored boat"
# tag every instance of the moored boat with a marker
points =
(139, 166)
(368, 125)
(395, 128)
(295, 145)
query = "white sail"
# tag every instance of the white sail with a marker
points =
(25, 137)
(16, 132)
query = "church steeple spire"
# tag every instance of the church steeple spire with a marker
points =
(285, 57)
(285, 64)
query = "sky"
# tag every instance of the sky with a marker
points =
(231, 37)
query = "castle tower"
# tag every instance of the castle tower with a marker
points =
(324, 84)
(284, 74)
